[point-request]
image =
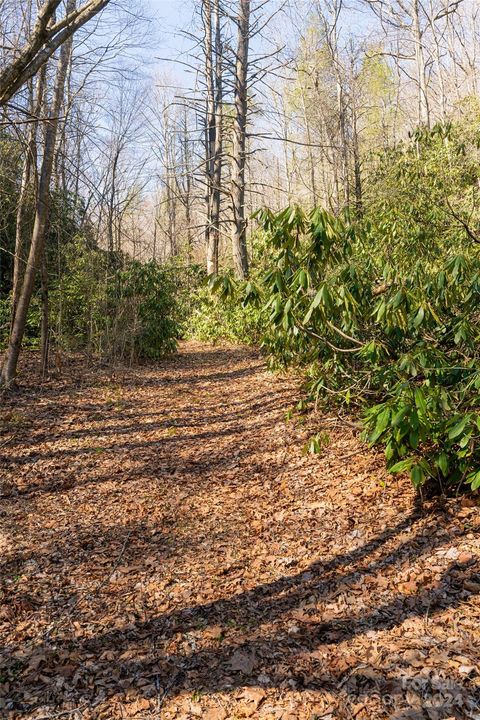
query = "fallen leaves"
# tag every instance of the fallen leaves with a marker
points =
(169, 551)
(137, 706)
(243, 662)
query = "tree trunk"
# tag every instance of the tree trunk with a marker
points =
(342, 111)
(218, 144)
(356, 162)
(35, 256)
(111, 207)
(239, 234)
(213, 51)
(311, 160)
(29, 164)
(187, 190)
(211, 250)
(45, 327)
(423, 101)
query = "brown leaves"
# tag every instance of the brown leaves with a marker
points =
(408, 588)
(243, 662)
(217, 713)
(137, 706)
(177, 555)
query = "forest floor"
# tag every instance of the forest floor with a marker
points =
(168, 550)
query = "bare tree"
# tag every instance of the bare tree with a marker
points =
(213, 53)
(46, 36)
(239, 235)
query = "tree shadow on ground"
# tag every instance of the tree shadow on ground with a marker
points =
(272, 652)
(288, 633)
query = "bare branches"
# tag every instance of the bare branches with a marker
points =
(45, 38)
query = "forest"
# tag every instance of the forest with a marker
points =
(240, 364)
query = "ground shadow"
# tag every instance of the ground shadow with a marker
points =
(271, 655)
(283, 633)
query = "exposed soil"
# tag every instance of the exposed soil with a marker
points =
(170, 551)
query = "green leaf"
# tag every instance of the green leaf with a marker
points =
(419, 317)
(413, 438)
(417, 475)
(402, 465)
(442, 462)
(381, 425)
(420, 401)
(389, 451)
(399, 416)
(303, 279)
(458, 429)
(463, 442)
(474, 480)
(316, 300)
(313, 305)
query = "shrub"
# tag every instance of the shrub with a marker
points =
(399, 344)
(124, 312)
(142, 321)
(220, 316)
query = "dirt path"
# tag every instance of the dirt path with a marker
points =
(168, 551)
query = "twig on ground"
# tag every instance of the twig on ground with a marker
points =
(63, 713)
(8, 440)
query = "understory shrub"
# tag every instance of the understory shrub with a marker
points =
(32, 327)
(142, 314)
(127, 311)
(382, 313)
(218, 316)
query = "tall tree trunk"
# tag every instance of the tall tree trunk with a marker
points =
(218, 144)
(188, 220)
(28, 166)
(438, 61)
(423, 101)
(171, 214)
(170, 179)
(40, 227)
(239, 234)
(357, 172)
(154, 239)
(342, 112)
(187, 194)
(111, 207)
(311, 160)
(210, 133)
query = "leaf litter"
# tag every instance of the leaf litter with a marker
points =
(170, 551)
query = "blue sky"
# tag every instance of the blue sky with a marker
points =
(170, 17)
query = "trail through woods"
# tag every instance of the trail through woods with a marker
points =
(168, 551)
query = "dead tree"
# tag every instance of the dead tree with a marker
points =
(213, 51)
(239, 233)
